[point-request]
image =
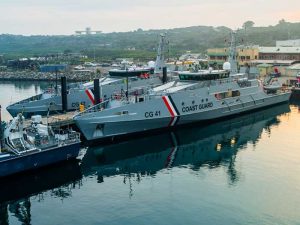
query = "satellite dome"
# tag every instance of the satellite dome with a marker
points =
(226, 66)
(151, 64)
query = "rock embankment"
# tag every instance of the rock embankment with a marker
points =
(39, 76)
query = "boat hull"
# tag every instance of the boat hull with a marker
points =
(124, 127)
(296, 93)
(77, 97)
(18, 164)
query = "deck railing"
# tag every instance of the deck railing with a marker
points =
(96, 108)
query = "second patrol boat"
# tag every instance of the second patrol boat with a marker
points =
(117, 82)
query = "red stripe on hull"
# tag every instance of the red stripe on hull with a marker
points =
(170, 123)
(168, 106)
(90, 96)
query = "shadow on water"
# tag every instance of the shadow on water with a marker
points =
(212, 146)
(16, 191)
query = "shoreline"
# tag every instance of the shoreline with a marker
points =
(49, 80)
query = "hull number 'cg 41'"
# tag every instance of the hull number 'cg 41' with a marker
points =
(152, 114)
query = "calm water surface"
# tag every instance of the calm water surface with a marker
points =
(244, 170)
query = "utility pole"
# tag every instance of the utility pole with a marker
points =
(1, 131)
(56, 85)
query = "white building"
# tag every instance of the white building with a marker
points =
(288, 43)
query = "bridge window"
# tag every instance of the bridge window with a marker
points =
(203, 77)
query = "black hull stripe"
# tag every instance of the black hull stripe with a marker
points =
(174, 106)
(178, 118)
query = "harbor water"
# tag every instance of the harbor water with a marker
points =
(243, 170)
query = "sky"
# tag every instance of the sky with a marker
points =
(48, 17)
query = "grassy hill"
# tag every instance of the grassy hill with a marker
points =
(116, 45)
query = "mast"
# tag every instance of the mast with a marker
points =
(160, 58)
(233, 54)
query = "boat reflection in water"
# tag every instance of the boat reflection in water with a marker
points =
(213, 145)
(15, 192)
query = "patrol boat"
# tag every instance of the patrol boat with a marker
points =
(26, 148)
(118, 81)
(195, 97)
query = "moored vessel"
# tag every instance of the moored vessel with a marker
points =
(197, 97)
(118, 81)
(194, 98)
(26, 148)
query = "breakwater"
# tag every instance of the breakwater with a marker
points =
(40, 76)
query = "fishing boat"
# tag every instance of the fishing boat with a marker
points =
(27, 148)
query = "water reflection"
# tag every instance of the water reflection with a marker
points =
(211, 146)
(17, 191)
(28, 85)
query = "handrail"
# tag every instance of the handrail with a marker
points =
(95, 108)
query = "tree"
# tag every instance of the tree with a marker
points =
(248, 24)
(67, 51)
(282, 22)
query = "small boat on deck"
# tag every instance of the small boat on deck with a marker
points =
(131, 72)
(35, 146)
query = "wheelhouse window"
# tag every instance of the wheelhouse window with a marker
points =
(203, 77)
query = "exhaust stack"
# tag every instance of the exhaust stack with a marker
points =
(64, 98)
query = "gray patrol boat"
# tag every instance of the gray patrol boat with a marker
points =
(196, 97)
(116, 83)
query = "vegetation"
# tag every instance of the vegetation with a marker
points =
(141, 44)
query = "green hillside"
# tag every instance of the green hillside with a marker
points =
(115, 45)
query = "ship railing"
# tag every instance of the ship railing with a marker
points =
(96, 108)
(74, 136)
(71, 137)
(33, 98)
(64, 137)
